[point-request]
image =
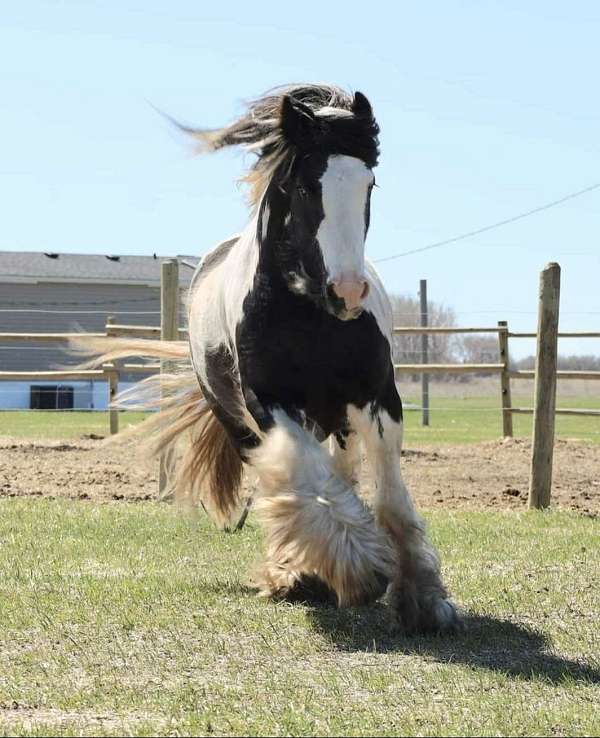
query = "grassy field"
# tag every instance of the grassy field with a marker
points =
(136, 619)
(131, 619)
(454, 419)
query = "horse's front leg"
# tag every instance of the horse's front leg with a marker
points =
(318, 532)
(417, 593)
(346, 451)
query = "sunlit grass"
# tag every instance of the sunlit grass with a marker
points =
(452, 420)
(133, 619)
(474, 419)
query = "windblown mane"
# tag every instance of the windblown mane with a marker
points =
(343, 130)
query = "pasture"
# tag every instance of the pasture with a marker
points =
(132, 619)
(460, 413)
(125, 616)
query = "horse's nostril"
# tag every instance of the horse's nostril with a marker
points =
(351, 292)
(331, 291)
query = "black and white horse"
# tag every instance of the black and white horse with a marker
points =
(290, 335)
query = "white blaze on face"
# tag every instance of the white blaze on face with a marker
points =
(341, 235)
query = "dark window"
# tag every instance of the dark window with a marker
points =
(51, 397)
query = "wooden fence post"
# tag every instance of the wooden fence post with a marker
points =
(112, 379)
(540, 483)
(424, 353)
(169, 300)
(169, 331)
(505, 399)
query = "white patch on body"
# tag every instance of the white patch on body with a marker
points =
(215, 306)
(265, 222)
(378, 303)
(341, 235)
(330, 112)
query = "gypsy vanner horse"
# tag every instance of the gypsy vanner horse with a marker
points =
(289, 345)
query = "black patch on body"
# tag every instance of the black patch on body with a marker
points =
(341, 437)
(295, 355)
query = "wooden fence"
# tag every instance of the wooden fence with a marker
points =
(545, 374)
(502, 368)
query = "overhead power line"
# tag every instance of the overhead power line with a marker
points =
(498, 224)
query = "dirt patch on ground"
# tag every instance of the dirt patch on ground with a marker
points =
(84, 469)
(478, 476)
(495, 474)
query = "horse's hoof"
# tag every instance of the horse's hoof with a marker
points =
(442, 617)
(437, 616)
(311, 590)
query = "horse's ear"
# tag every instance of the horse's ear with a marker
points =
(361, 107)
(297, 122)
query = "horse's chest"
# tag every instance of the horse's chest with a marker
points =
(312, 361)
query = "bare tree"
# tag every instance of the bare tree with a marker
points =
(455, 348)
(478, 349)
(406, 349)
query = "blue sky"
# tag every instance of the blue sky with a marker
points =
(487, 109)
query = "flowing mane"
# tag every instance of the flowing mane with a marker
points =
(345, 128)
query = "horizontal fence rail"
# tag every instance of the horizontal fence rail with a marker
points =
(75, 375)
(139, 331)
(557, 411)
(443, 329)
(448, 368)
(561, 334)
(47, 337)
(503, 369)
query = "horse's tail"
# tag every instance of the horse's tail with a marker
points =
(202, 464)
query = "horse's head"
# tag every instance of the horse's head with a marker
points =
(323, 196)
(311, 182)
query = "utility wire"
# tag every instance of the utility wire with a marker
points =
(506, 221)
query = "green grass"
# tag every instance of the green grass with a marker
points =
(474, 419)
(453, 420)
(133, 619)
(52, 424)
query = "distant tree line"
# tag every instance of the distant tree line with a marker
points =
(575, 362)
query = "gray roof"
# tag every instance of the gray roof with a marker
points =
(34, 265)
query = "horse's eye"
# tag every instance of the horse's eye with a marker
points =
(302, 191)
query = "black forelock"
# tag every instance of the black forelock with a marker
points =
(354, 132)
(349, 136)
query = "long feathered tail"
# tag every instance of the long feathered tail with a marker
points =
(203, 465)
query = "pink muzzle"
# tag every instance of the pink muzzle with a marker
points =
(352, 293)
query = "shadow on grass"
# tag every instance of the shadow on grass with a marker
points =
(487, 643)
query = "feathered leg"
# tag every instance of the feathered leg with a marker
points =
(417, 593)
(316, 526)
